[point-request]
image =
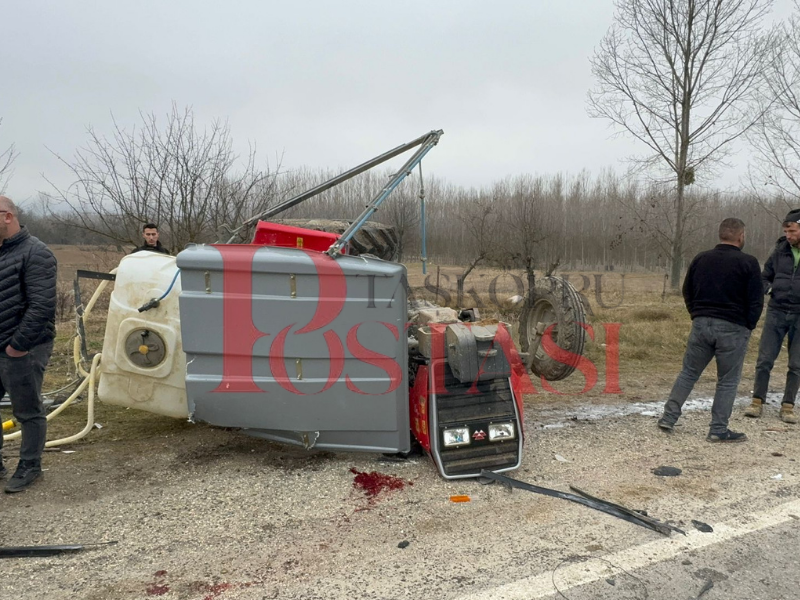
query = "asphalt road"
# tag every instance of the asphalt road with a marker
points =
(763, 565)
(210, 514)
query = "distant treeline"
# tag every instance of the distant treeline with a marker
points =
(581, 222)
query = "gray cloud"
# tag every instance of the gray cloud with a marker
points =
(325, 84)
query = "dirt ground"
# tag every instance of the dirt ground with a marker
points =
(203, 513)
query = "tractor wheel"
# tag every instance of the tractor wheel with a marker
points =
(373, 238)
(557, 303)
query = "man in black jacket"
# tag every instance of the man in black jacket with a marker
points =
(724, 296)
(782, 281)
(27, 329)
(151, 243)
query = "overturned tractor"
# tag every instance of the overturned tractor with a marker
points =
(306, 336)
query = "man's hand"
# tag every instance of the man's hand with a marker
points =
(13, 353)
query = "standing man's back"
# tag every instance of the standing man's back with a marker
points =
(724, 296)
(721, 284)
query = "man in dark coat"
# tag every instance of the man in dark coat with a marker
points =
(782, 281)
(27, 329)
(723, 294)
(151, 243)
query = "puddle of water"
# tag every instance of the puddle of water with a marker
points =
(556, 418)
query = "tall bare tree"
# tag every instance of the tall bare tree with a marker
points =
(680, 76)
(521, 202)
(7, 157)
(183, 179)
(776, 136)
(478, 216)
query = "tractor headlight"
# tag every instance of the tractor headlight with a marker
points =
(457, 436)
(501, 431)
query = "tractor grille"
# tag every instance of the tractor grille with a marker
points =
(492, 403)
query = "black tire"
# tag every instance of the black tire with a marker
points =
(373, 238)
(555, 301)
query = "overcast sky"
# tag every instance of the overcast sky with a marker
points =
(322, 84)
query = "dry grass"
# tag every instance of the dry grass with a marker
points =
(652, 332)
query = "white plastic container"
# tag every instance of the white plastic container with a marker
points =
(143, 364)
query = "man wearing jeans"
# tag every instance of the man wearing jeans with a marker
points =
(724, 296)
(27, 329)
(782, 281)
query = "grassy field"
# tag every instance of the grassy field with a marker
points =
(653, 326)
(653, 329)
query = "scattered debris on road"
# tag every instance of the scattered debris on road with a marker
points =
(704, 527)
(459, 498)
(585, 499)
(708, 585)
(37, 551)
(667, 471)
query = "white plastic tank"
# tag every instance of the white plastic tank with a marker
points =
(143, 364)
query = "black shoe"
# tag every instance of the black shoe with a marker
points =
(665, 425)
(26, 473)
(728, 436)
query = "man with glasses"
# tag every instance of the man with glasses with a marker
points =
(27, 329)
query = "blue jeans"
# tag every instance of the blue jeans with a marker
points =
(22, 379)
(711, 338)
(777, 325)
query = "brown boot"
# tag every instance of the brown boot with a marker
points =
(787, 413)
(754, 410)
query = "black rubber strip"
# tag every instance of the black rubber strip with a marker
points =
(603, 506)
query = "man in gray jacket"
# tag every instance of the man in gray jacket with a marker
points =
(27, 329)
(781, 280)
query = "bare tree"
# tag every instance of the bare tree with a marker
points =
(176, 176)
(478, 217)
(776, 136)
(521, 201)
(7, 157)
(680, 76)
(403, 212)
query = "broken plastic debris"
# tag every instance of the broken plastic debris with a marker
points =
(667, 471)
(98, 425)
(778, 477)
(560, 458)
(708, 585)
(68, 451)
(704, 527)
(459, 498)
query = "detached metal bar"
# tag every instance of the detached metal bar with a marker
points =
(422, 219)
(610, 508)
(79, 309)
(334, 182)
(430, 141)
(36, 551)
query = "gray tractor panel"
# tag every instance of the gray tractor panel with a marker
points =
(285, 292)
